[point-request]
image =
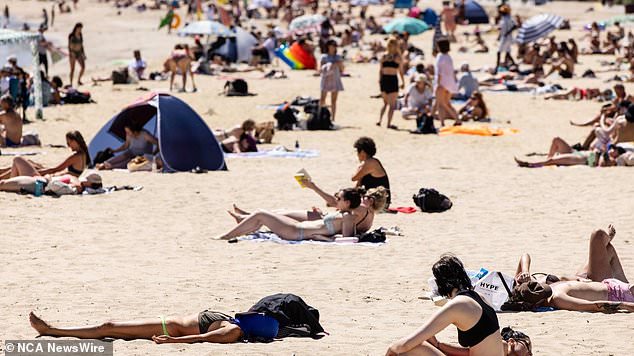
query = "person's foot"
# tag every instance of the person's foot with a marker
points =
(611, 232)
(237, 217)
(522, 163)
(392, 127)
(239, 211)
(378, 124)
(220, 237)
(80, 83)
(195, 90)
(38, 324)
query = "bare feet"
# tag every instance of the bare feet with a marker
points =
(611, 232)
(38, 324)
(237, 217)
(521, 163)
(239, 211)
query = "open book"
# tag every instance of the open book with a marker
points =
(302, 176)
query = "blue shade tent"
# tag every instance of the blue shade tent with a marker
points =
(185, 141)
(429, 16)
(475, 14)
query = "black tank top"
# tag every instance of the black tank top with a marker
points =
(487, 325)
(369, 182)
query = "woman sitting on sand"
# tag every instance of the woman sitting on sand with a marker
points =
(73, 165)
(475, 109)
(477, 323)
(138, 142)
(180, 60)
(564, 64)
(240, 138)
(370, 173)
(418, 98)
(350, 203)
(27, 184)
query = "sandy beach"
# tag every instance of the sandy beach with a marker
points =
(86, 259)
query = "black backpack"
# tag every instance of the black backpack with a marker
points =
(285, 118)
(425, 125)
(238, 87)
(120, 76)
(319, 120)
(77, 97)
(103, 156)
(374, 236)
(430, 201)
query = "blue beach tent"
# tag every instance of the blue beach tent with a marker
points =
(185, 141)
(475, 14)
(429, 16)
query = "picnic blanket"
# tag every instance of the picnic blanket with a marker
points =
(277, 152)
(267, 236)
(476, 130)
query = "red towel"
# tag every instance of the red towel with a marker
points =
(403, 209)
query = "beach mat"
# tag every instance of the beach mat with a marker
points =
(476, 130)
(275, 153)
(267, 236)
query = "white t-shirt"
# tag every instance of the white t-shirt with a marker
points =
(444, 68)
(417, 99)
(626, 159)
(137, 67)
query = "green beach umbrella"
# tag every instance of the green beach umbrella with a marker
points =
(406, 24)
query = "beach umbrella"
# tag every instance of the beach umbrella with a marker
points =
(207, 28)
(475, 13)
(241, 47)
(265, 4)
(538, 27)
(430, 16)
(406, 24)
(306, 23)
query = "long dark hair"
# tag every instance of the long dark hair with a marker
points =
(77, 137)
(450, 274)
(353, 195)
(72, 33)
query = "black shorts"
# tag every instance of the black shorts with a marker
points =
(389, 84)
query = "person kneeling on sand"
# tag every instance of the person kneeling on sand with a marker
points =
(477, 323)
(11, 135)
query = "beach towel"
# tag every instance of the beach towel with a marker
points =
(13, 154)
(277, 152)
(403, 209)
(476, 130)
(108, 190)
(264, 236)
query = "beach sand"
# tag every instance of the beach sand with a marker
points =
(82, 260)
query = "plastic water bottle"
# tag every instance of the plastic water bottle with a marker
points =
(39, 188)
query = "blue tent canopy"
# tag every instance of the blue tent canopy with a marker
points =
(429, 16)
(403, 4)
(185, 141)
(475, 14)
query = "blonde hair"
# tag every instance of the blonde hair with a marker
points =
(379, 197)
(393, 46)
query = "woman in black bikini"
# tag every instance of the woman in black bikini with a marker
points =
(76, 52)
(477, 323)
(74, 165)
(370, 173)
(389, 71)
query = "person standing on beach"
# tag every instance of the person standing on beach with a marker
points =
(444, 83)
(507, 26)
(389, 71)
(330, 68)
(42, 47)
(76, 52)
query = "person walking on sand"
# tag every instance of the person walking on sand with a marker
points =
(507, 26)
(445, 84)
(76, 53)
(330, 68)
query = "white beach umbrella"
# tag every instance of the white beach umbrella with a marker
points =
(538, 27)
(205, 28)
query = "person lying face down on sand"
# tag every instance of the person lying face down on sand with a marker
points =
(27, 184)
(351, 203)
(272, 317)
(238, 138)
(477, 323)
(603, 263)
(74, 165)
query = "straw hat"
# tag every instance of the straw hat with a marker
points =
(92, 178)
